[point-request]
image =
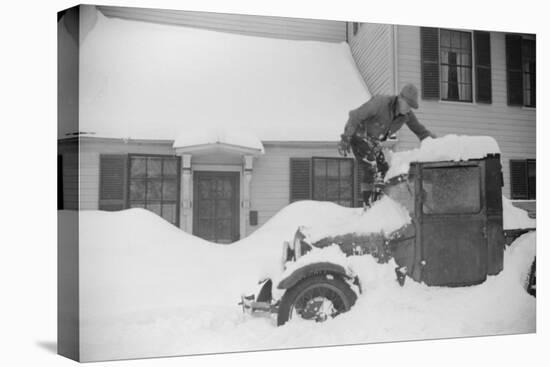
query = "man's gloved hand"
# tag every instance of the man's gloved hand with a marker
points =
(344, 145)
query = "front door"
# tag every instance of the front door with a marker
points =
(216, 206)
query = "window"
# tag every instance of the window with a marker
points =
(138, 181)
(448, 65)
(325, 179)
(456, 65)
(154, 185)
(529, 73)
(451, 190)
(523, 179)
(333, 180)
(521, 70)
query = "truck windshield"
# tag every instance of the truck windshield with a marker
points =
(451, 190)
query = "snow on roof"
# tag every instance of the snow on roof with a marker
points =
(142, 80)
(447, 148)
(221, 136)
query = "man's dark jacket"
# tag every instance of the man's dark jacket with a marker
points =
(379, 119)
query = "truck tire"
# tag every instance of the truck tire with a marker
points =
(531, 284)
(316, 298)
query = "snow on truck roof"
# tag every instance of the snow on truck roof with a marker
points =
(447, 148)
(141, 80)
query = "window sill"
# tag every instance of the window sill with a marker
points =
(459, 103)
(527, 108)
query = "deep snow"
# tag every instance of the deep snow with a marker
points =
(141, 80)
(150, 289)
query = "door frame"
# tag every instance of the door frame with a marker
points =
(236, 176)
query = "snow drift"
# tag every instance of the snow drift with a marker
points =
(150, 289)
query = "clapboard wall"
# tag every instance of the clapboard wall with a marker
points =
(372, 49)
(514, 127)
(252, 25)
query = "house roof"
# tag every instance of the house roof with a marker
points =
(143, 80)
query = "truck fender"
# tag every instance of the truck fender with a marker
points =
(315, 269)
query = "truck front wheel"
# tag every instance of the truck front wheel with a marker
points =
(316, 298)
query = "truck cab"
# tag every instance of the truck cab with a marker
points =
(457, 236)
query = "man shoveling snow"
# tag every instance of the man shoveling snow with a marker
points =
(372, 123)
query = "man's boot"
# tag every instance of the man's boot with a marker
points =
(367, 196)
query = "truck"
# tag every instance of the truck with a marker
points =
(455, 238)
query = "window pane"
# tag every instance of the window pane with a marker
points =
(223, 209)
(170, 167)
(225, 189)
(319, 192)
(445, 38)
(170, 190)
(204, 189)
(154, 167)
(444, 56)
(444, 73)
(455, 39)
(154, 188)
(451, 190)
(223, 229)
(154, 207)
(169, 212)
(332, 168)
(137, 190)
(137, 204)
(345, 189)
(346, 168)
(332, 190)
(138, 167)
(206, 209)
(466, 41)
(319, 168)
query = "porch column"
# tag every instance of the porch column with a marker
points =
(247, 178)
(186, 216)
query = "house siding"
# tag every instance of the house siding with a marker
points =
(372, 49)
(270, 186)
(514, 128)
(252, 25)
(90, 152)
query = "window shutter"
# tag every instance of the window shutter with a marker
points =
(300, 179)
(518, 179)
(429, 39)
(482, 43)
(359, 173)
(112, 181)
(514, 74)
(60, 182)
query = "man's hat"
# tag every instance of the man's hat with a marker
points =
(410, 94)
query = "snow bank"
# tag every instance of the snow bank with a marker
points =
(149, 289)
(514, 217)
(218, 136)
(446, 148)
(385, 216)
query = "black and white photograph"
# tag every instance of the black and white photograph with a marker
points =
(235, 182)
